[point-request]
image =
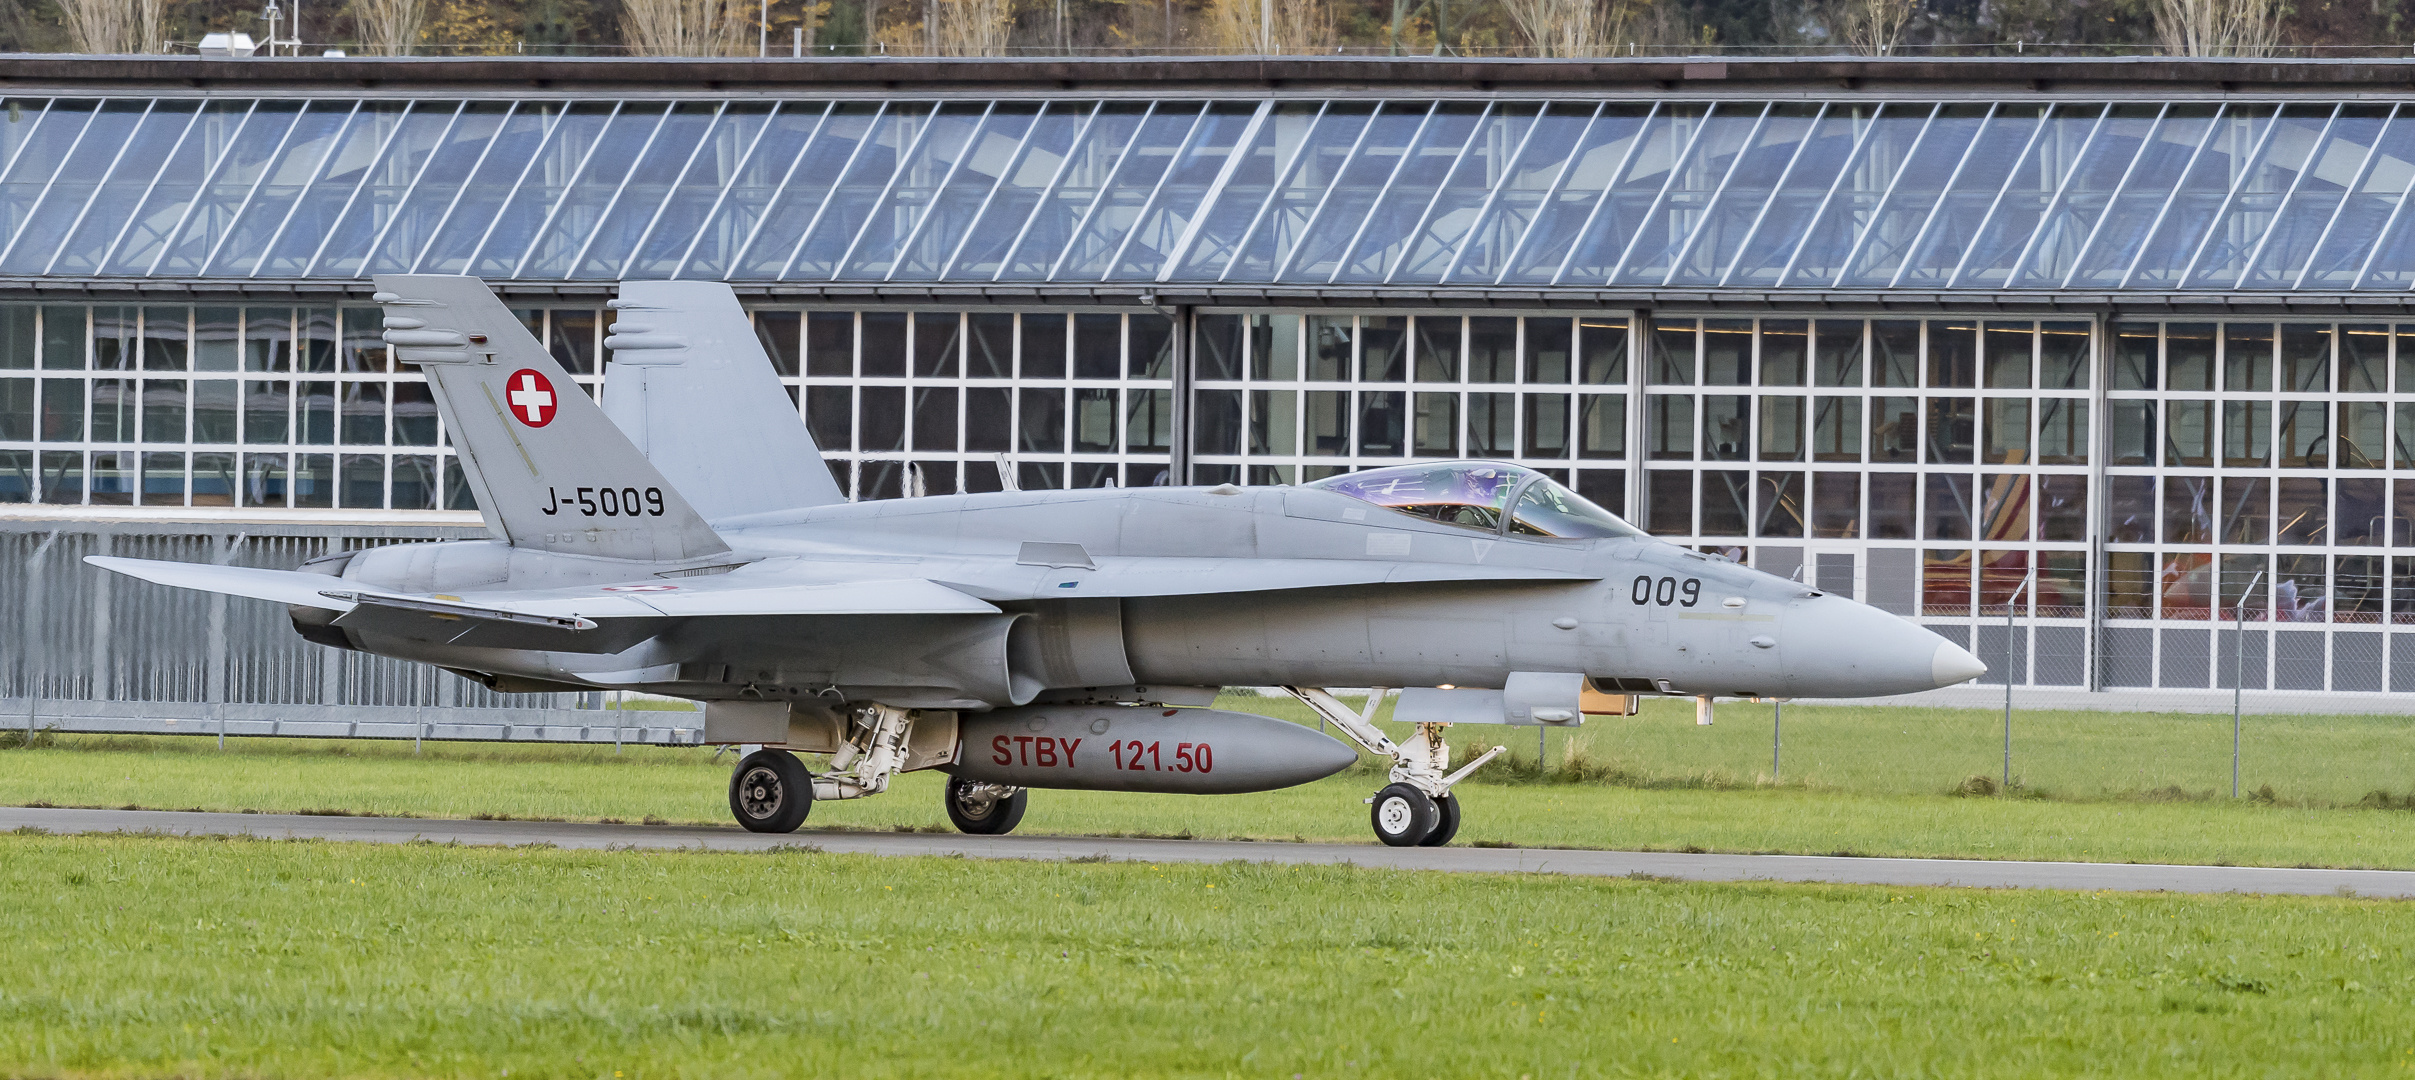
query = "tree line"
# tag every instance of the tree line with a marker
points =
(1551, 28)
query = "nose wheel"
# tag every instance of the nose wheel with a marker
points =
(1417, 808)
(770, 792)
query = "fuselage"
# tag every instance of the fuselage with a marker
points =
(1635, 614)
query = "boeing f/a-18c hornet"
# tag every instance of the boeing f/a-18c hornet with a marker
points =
(683, 537)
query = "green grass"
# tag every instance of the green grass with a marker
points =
(688, 786)
(148, 956)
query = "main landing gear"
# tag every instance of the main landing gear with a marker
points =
(1417, 808)
(770, 791)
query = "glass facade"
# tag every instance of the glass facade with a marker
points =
(2248, 196)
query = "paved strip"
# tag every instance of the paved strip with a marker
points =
(1974, 873)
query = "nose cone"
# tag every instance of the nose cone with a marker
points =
(1954, 664)
(1834, 647)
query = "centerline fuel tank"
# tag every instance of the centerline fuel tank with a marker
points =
(1133, 748)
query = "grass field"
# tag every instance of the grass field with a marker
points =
(1669, 792)
(146, 956)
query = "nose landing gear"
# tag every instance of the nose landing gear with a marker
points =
(1417, 808)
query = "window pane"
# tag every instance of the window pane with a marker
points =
(935, 344)
(1952, 438)
(1781, 429)
(1727, 352)
(1216, 337)
(1490, 422)
(2360, 435)
(2063, 508)
(2364, 359)
(364, 414)
(1778, 504)
(882, 348)
(2007, 510)
(1892, 505)
(1329, 347)
(2062, 431)
(1953, 355)
(165, 402)
(1894, 353)
(1492, 349)
(1328, 424)
(1437, 348)
(2187, 517)
(2008, 356)
(1673, 351)
(314, 480)
(1273, 422)
(1784, 347)
(2130, 510)
(1602, 425)
(2007, 431)
(1547, 425)
(1670, 503)
(1726, 502)
(1836, 508)
(2188, 433)
(881, 424)
(2135, 363)
(1383, 348)
(1604, 346)
(1382, 424)
(935, 418)
(1547, 347)
(1836, 429)
(1094, 421)
(1437, 425)
(2063, 356)
(830, 343)
(2306, 359)
(2188, 357)
(2301, 510)
(1151, 424)
(2360, 519)
(1839, 360)
(989, 418)
(2245, 510)
(2130, 437)
(1274, 347)
(2247, 357)
(1726, 427)
(1040, 421)
(1946, 514)
(2303, 442)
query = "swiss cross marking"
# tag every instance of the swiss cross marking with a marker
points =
(531, 397)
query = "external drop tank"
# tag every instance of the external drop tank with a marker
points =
(1135, 748)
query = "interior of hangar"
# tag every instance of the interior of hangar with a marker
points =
(2115, 349)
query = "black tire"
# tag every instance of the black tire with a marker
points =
(1448, 825)
(770, 792)
(996, 819)
(1403, 816)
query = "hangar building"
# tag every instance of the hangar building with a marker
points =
(2122, 346)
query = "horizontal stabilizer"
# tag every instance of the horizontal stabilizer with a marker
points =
(578, 607)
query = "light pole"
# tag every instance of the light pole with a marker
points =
(2239, 670)
(2009, 601)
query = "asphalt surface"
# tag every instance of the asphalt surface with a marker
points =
(1975, 873)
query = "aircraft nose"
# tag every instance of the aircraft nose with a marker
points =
(1834, 647)
(1954, 664)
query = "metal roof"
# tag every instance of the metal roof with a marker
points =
(1533, 198)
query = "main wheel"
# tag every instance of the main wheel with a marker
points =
(993, 816)
(1448, 824)
(1403, 816)
(771, 792)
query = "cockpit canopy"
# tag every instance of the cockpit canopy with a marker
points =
(1489, 496)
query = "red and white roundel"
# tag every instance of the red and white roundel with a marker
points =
(641, 588)
(531, 398)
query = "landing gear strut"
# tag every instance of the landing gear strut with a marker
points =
(1417, 808)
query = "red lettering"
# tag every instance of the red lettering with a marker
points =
(1182, 757)
(1207, 761)
(1156, 764)
(999, 755)
(1070, 746)
(1044, 751)
(1023, 748)
(1117, 748)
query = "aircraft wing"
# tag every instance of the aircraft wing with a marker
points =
(1149, 576)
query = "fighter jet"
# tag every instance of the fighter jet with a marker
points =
(684, 538)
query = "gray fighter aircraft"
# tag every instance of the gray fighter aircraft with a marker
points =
(683, 538)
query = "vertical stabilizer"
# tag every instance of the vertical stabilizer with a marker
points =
(691, 385)
(549, 470)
